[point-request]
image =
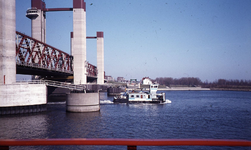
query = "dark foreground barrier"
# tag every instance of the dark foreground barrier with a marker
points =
(130, 143)
(22, 109)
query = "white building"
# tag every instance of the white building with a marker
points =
(121, 79)
(146, 81)
(109, 78)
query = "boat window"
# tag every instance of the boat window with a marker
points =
(151, 86)
(132, 95)
(155, 86)
(137, 96)
(148, 96)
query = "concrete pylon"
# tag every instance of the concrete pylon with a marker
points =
(100, 57)
(7, 41)
(79, 42)
(38, 20)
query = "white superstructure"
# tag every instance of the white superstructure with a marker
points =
(142, 97)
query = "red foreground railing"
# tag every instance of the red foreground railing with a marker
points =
(130, 143)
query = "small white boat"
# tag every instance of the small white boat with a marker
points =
(141, 97)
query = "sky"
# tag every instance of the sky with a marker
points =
(166, 38)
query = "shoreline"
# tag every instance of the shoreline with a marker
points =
(175, 89)
(229, 89)
(184, 89)
(202, 89)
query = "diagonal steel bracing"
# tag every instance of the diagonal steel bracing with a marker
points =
(33, 54)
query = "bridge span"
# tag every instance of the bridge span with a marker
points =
(21, 54)
(34, 57)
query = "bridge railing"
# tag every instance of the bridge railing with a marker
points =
(65, 85)
(59, 84)
(130, 143)
(90, 87)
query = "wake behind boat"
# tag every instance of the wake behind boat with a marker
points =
(141, 97)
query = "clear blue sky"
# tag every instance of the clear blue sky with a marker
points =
(208, 39)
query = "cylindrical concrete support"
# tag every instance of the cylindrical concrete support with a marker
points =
(79, 42)
(7, 41)
(100, 58)
(82, 102)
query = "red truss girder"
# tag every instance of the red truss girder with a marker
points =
(91, 70)
(33, 53)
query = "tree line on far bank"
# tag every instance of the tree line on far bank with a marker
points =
(168, 81)
(192, 81)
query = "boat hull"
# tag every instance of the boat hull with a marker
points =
(127, 101)
(119, 100)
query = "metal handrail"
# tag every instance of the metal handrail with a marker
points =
(130, 143)
(56, 84)
(65, 85)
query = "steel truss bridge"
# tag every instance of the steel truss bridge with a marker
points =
(34, 57)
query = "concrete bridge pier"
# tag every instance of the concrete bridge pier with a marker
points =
(14, 97)
(80, 102)
(85, 102)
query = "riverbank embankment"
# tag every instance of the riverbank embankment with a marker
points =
(183, 89)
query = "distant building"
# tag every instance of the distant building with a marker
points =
(147, 81)
(133, 83)
(121, 79)
(109, 78)
(133, 80)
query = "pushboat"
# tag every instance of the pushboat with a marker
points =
(150, 96)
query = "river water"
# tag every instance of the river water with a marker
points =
(192, 114)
